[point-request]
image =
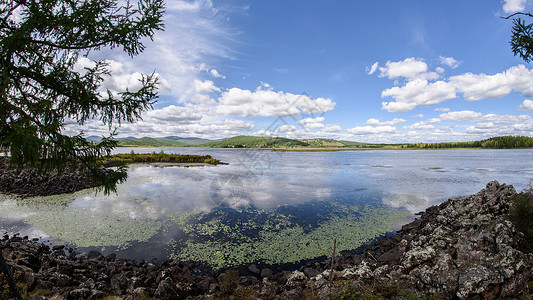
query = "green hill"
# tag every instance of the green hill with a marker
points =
(256, 142)
(191, 141)
(320, 142)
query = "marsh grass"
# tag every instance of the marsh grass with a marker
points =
(378, 290)
(161, 157)
(521, 214)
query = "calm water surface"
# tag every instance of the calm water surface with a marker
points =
(264, 206)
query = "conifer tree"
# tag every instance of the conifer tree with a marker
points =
(40, 42)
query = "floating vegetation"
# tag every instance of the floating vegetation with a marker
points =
(227, 237)
(71, 221)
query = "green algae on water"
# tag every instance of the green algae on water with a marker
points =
(233, 238)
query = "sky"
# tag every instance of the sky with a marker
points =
(382, 71)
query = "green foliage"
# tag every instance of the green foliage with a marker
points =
(256, 142)
(521, 214)
(522, 38)
(118, 159)
(40, 42)
(378, 291)
(501, 142)
(229, 282)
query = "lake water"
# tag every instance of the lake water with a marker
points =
(264, 206)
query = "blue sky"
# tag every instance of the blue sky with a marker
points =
(371, 71)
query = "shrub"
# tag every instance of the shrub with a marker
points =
(521, 214)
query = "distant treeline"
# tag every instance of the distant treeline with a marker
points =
(500, 142)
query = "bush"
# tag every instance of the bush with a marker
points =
(521, 214)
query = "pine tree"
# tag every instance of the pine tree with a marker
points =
(40, 42)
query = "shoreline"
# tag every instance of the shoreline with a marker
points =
(463, 248)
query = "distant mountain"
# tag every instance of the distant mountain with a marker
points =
(189, 140)
(278, 142)
(243, 141)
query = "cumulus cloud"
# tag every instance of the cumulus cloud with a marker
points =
(395, 121)
(474, 87)
(215, 74)
(331, 128)
(512, 6)
(173, 114)
(410, 68)
(481, 86)
(204, 87)
(264, 101)
(472, 116)
(444, 109)
(449, 61)
(372, 69)
(119, 80)
(419, 126)
(526, 105)
(311, 120)
(363, 130)
(417, 92)
(461, 116)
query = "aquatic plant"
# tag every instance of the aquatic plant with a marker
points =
(224, 240)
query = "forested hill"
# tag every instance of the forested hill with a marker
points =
(501, 142)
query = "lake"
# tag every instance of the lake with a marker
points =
(264, 206)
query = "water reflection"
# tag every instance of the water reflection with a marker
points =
(166, 210)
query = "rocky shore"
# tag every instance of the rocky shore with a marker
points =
(464, 248)
(29, 182)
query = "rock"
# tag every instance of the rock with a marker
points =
(296, 278)
(266, 272)
(95, 255)
(253, 268)
(310, 272)
(166, 290)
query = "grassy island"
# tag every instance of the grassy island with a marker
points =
(160, 157)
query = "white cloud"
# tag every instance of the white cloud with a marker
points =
(119, 80)
(417, 92)
(331, 128)
(449, 61)
(461, 116)
(362, 130)
(526, 105)
(311, 120)
(420, 92)
(204, 87)
(443, 109)
(215, 74)
(419, 126)
(173, 114)
(372, 69)
(267, 103)
(481, 86)
(512, 6)
(472, 116)
(417, 116)
(410, 68)
(313, 125)
(395, 121)
(424, 125)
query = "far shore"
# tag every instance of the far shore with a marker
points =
(324, 149)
